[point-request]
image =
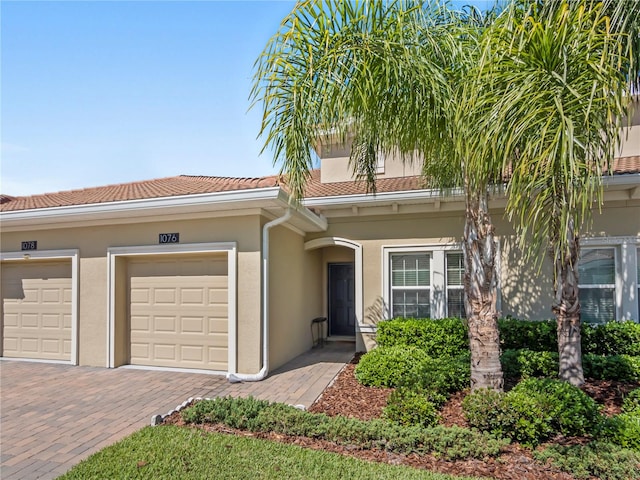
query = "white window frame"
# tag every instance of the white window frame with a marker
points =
(601, 286)
(418, 288)
(626, 267)
(448, 287)
(438, 287)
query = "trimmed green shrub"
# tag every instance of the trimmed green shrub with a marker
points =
(408, 406)
(624, 429)
(614, 367)
(441, 337)
(533, 411)
(451, 443)
(525, 363)
(539, 336)
(389, 366)
(631, 403)
(596, 459)
(572, 412)
(613, 338)
(487, 410)
(444, 375)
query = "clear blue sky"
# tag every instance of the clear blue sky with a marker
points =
(101, 92)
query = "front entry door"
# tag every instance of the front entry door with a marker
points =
(342, 319)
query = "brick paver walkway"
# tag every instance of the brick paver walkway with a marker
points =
(54, 416)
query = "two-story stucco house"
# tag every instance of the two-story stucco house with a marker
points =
(225, 275)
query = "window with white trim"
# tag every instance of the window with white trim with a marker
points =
(597, 283)
(411, 285)
(423, 281)
(609, 279)
(455, 287)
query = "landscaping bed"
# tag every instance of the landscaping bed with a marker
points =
(407, 402)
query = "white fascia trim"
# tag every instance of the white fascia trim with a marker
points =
(341, 200)
(145, 250)
(69, 254)
(409, 195)
(151, 205)
(621, 179)
(358, 264)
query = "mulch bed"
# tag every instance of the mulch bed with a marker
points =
(345, 396)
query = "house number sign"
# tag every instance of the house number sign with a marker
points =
(169, 238)
(29, 245)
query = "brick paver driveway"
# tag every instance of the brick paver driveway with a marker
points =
(53, 416)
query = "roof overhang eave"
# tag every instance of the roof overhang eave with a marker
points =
(272, 198)
(409, 196)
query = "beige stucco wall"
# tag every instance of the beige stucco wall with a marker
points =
(526, 291)
(630, 141)
(335, 167)
(294, 295)
(93, 242)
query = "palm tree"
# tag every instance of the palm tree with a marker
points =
(560, 86)
(393, 76)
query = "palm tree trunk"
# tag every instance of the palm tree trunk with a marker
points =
(566, 307)
(480, 282)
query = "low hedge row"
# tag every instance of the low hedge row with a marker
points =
(524, 363)
(449, 336)
(410, 366)
(262, 416)
(436, 337)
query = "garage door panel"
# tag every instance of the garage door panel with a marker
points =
(52, 295)
(165, 325)
(165, 352)
(29, 321)
(29, 345)
(10, 321)
(164, 296)
(140, 296)
(218, 295)
(178, 330)
(192, 353)
(52, 321)
(192, 296)
(50, 345)
(217, 325)
(194, 325)
(139, 351)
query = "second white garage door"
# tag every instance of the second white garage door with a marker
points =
(179, 312)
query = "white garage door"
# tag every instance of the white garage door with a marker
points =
(178, 312)
(36, 310)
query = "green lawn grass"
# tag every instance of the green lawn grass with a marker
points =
(172, 452)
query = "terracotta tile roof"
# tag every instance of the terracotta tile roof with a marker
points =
(157, 188)
(193, 185)
(625, 165)
(399, 184)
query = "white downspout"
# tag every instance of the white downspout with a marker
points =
(264, 371)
